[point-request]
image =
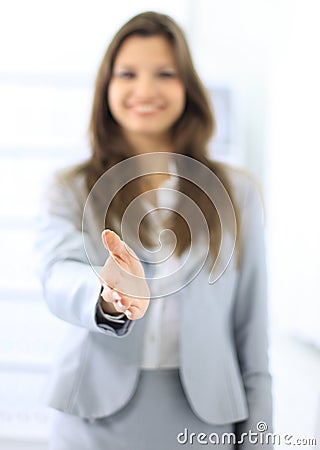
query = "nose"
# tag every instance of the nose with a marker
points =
(145, 87)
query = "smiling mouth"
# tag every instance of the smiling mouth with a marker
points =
(145, 109)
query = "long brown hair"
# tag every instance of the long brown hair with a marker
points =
(190, 134)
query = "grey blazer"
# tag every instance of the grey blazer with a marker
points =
(223, 328)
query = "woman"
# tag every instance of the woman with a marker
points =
(158, 354)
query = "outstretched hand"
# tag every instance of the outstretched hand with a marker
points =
(123, 280)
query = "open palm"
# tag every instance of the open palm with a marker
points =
(124, 274)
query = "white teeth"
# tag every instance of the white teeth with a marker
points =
(145, 108)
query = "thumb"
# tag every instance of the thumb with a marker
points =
(114, 244)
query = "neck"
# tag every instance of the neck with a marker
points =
(149, 144)
(142, 144)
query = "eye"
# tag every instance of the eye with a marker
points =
(167, 74)
(125, 74)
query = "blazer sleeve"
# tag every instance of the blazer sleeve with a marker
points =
(70, 283)
(251, 320)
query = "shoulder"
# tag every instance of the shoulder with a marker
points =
(245, 193)
(245, 187)
(69, 179)
(66, 188)
(248, 201)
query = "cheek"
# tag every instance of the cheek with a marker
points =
(179, 99)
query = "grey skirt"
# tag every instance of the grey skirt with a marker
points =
(158, 417)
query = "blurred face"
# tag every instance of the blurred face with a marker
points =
(146, 95)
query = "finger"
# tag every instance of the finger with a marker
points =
(133, 313)
(109, 295)
(115, 245)
(120, 306)
(123, 304)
